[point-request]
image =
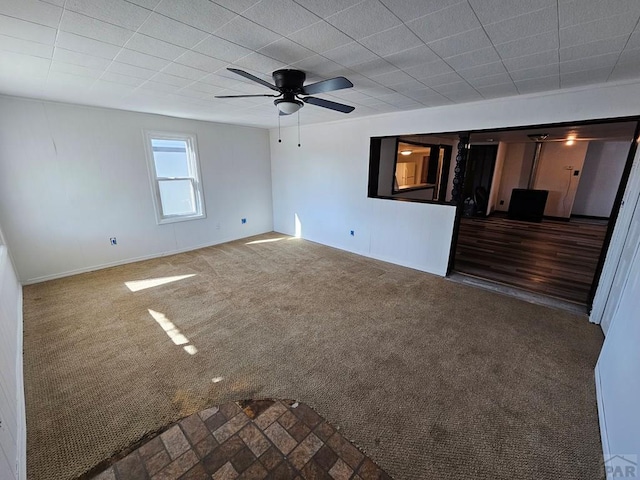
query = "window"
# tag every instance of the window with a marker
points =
(175, 177)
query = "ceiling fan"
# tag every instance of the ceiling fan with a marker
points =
(293, 94)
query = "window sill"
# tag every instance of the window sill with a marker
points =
(181, 218)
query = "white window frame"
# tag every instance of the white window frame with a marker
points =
(194, 170)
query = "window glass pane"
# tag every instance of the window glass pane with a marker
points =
(170, 157)
(177, 197)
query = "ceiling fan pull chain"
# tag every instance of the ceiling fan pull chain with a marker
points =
(279, 136)
(298, 127)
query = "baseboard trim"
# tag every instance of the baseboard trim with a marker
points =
(126, 261)
(604, 436)
(591, 217)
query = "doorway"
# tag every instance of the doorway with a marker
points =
(581, 170)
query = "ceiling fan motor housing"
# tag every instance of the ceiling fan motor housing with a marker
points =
(289, 80)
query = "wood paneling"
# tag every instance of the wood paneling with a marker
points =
(553, 257)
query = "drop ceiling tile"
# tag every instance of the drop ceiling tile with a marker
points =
(445, 23)
(26, 65)
(32, 11)
(172, 80)
(430, 69)
(408, 10)
(221, 49)
(473, 58)
(171, 31)
(364, 19)
(143, 60)
(409, 87)
(318, 65)
(205, 88)
(148, 4)
(25, 47)
(630, 55)
(199, 61)
(634, 39)
(599, 47)
(607, 60)
(499, 10)
(116, 89)
(447, 89)
(85, 45)
(159, 87)
(237, 6)
(281, 16)
(201, 14)
(395, 77)
(528, 45)
(374, 67)
(184, 71)
(350, 54)
(117, 12)
(189, 92)
(76, 70)
(153, 46)
(485, 70)
(79, 24)
(68, 82)
(491, 80)
(461, 43)
(59, 3)
(464, 96)
(75, 58)
(14, 27)
(320, 37)
(442, 79)
(585, 77)
(539, 84)
(130, 70)
(526, 25)
(259, 63)
(286, 51)
(625, 71)
(325, 8)
(413, 57)
(597, 30)
(246, 33)
(124, 79)
(535, 72)
(394, 40)
(499, 90)
(574, 12)
(533, 60)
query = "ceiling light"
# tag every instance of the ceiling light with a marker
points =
(571, 139)
(288, 106)
(406, 152)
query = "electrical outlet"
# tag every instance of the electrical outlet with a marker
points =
(113, 241)
(352, 233)
(244, 220)
(576, 173)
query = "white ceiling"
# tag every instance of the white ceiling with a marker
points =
(170, 56)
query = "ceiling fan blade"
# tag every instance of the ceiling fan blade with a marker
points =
(253, 78)
(245, 96)
(320, 102)
(324, 86)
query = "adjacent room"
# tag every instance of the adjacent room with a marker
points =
(296, 239)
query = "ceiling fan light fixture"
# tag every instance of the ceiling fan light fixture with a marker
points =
(406, 152)
(288, 106)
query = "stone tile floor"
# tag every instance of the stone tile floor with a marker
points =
(252, 440)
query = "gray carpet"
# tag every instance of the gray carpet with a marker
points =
(434, 380)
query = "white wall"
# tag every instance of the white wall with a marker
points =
(12, 416)
(600, 178)
(324, 182)
(552, 175)
(71, 177)
(516, 168)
